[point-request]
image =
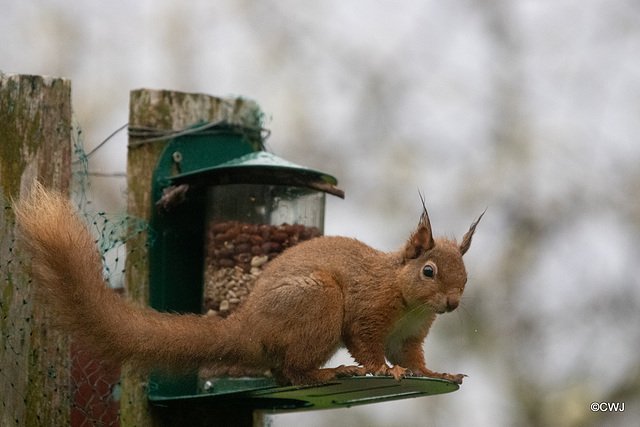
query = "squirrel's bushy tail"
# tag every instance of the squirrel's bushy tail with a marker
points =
(67, 269)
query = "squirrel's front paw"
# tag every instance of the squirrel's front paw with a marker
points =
(397, 372)
(456, 378)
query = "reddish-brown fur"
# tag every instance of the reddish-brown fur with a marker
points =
(309, 300)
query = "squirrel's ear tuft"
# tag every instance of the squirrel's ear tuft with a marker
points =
(422, 239)
(466, 240)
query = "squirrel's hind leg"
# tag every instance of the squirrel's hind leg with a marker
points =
(299, 320)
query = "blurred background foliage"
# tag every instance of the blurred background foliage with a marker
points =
(529, 109)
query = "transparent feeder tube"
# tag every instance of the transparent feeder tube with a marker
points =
(247, 226)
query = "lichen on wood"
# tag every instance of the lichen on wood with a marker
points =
(35, 127)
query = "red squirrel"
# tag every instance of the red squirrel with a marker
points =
(308, 301)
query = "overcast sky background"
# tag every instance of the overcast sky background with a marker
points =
(530, 109)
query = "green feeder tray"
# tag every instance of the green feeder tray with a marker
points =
(264, 394)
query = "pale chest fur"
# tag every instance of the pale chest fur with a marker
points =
(412, 322)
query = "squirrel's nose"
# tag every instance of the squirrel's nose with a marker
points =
(452, 303)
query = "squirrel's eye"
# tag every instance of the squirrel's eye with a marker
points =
(428, 271)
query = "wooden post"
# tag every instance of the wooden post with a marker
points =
(35, 143)
(161, 110)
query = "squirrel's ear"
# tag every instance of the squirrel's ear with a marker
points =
(421, 240)
(466, 240)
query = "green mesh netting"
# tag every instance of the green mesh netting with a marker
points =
(93, 389)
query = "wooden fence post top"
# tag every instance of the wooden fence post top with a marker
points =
(35, 117)
(177, 110)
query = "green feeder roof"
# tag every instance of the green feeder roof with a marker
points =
(262, 167)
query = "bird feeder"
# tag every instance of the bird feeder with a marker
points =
(267, 205)
(222, 209)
